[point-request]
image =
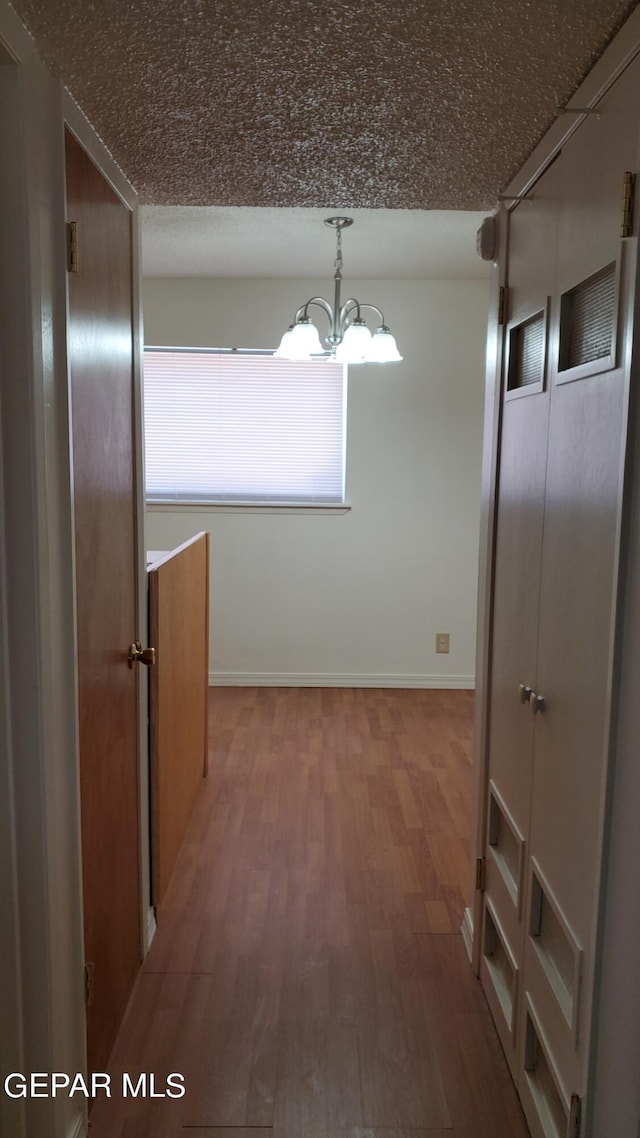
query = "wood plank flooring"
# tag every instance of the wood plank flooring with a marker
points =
(308, 977)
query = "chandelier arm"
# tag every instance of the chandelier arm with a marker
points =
(319, 302)
(363, 304)
(352, 304)
(347, 308)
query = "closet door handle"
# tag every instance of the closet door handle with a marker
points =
(538, 702)
(525, 693)
(140, 655)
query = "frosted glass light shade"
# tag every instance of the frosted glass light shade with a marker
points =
(355, 345)
(384, 349)
(284, 347)
(300, 341)
(305, 340)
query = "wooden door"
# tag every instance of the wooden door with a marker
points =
(179, 631)
(520, 515)
(101, 376)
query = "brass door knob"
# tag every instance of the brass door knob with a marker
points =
(140, 655)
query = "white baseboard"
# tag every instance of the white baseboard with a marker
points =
(467, 933)
(335, 680)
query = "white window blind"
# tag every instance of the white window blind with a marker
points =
(243, 427)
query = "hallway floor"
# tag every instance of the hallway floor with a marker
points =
(308, 978)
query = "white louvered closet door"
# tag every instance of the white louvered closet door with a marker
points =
(562, 449)
(578, 587)
(520, 516)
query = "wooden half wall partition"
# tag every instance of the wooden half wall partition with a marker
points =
(179, 631)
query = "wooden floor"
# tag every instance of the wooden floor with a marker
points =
(308, 977)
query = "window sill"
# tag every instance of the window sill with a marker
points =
(249, 507)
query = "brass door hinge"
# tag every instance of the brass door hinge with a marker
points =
(575, 1117)
(626, 218)
(480, 874)
(502, 304)
(89, 970)
(72, 246)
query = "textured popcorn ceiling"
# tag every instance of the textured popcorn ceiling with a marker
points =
(418, 104)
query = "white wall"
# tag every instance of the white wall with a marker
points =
(354, 597)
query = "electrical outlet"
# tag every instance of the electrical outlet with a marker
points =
(442, 641)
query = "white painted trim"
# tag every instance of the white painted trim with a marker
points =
(467, 933)
(491, 435)
(142, 586)
(40, 598)
(150, 929)
(14, 36)
(248, 508)
(80, 126)
(79, 1129)
(619, 54)
(337, 680)
(12, 1113)
(615, 1103)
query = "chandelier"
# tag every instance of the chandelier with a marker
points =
(349, 338)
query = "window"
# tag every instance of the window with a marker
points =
(243, 427)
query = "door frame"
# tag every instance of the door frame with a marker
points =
(41, 942)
